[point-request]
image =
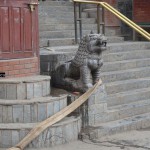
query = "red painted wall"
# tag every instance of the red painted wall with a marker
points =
(110, 19)
(141, 11)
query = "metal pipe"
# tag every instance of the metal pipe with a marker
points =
(80, 19)
(98, 18)
(120, 16)
(75, 23)
(126, 20)
(123, 18)
(103, 20)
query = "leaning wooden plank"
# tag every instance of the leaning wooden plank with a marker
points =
(37, 130)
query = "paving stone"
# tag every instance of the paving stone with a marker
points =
(56, 106)
(4, 114)
(42, 112)
(30, 91)
(9, 114)
(50, 109)
(34, 113)
(37, 89)
(21, 91)
(17, 113)
(15, 137)
(11, 91)
(27, 113)
(2, 91)
(1, 112)
(6, 138)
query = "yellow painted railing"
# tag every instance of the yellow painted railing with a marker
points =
(119, 15)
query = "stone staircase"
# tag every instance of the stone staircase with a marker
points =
(26, 101)
(56, 20)
(125, 74)
(126, 77)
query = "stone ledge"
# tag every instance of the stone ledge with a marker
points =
(30, 79)
(25, 87)
(31, 101)
(30, 111)
(63, 132)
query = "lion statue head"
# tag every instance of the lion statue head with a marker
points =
(90, 44)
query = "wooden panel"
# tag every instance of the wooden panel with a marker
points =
(17, 40)
(5, 29)
(18, 29)
(27, 30)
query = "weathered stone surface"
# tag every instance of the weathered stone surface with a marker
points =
(25, 87)
(34, 110)
(97, 105)
(62, 132)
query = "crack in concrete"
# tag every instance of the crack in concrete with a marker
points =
(121, 144)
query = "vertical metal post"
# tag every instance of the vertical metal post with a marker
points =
(75, 22)
(80, 19)
(103, 21)
(98, 18)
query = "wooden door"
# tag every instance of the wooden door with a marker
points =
(18, 29)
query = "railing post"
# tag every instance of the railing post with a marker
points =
(80, 19)
(98, 18)
(103, 20)
(75, 22)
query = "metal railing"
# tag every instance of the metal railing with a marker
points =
(109, 8)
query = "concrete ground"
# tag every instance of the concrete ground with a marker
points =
(132, 140)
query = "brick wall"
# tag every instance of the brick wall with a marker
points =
(20, 67)
(110, 19)
(141, 11)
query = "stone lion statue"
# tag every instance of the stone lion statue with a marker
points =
(82, 72)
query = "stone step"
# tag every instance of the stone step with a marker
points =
(69, 41)
(92, 12)
(127, 85)
(63, 132)
(125, 110)
(61, 14)
(128, 96)
(125, 74)
(49, 27)
(51, 56)
(24, 87)
(129, 48)
(90, 6)
(54, 21)
(114, 127)
(61, 34)
(31, 111)
(56, 9)
(128, 55)
(56, 3)
(128, 110)
(125, 64)
(126, 47)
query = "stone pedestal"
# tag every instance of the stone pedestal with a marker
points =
(95, 108)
